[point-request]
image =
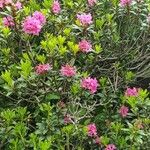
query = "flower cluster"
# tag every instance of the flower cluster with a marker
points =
(8, 21)
(85, 19)
(67, 119)
(42, 68)
(124, 3)
(92, 130)
(123, 111)
(17, 5)
(56, 7)
(85, 46)
(4, 2)
(92, 2)
(39, 16)
(33, 24)
(131, 92)
(110, 147)
(68, 71)
(90, 84)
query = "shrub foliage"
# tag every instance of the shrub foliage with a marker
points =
(67, 74)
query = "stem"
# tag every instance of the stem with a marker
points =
(68, 147)
(30, 52)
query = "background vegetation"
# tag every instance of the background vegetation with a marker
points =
(48, 107)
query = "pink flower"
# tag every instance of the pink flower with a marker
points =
(8, 21)
(123, 111)
(39, 16)
(110, 147)
(4, 2)
(1, 4)
(124, 3)
(42, 68)
(7, 1)
(131, 92)
(85, 46)
(92, 2)
(97, 140)
(61, 104)
(56, 7)
(18, 5)
(67, 119)
(32, 26)
(138, 124)
(68, 71)
(90, 84)
(85, 19)
(92, 130)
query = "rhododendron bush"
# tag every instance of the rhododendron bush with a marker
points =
(74, 74)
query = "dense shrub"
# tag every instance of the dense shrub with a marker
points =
(68, 71)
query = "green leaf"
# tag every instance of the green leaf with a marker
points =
(62, 50)
(41, 58)
(104, 140)
(99, 23)
(6, 32)
(52, 96)
(75, 88)
(61, 40)
(67, 31)
(6, 76)
(26, 68)
(47, 3)
(98, 49)
(129, 75)
(45, 145)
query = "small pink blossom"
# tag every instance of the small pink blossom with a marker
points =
(123, 111)
(124, 3)
(18, 5)
(1, 4)
(92, 130)
(32, 26)
(131, 92)
(39, 16)
(7, 1)
(56, 7)
(110, 147)
(8, 21)
(90, 84)
(85, 46)
(68, 71)
(92, 2)
(138, 124)
(97, 140)
(85, 19)
(67, 119)
(42, 68)
(61, 104)
(4, 2)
